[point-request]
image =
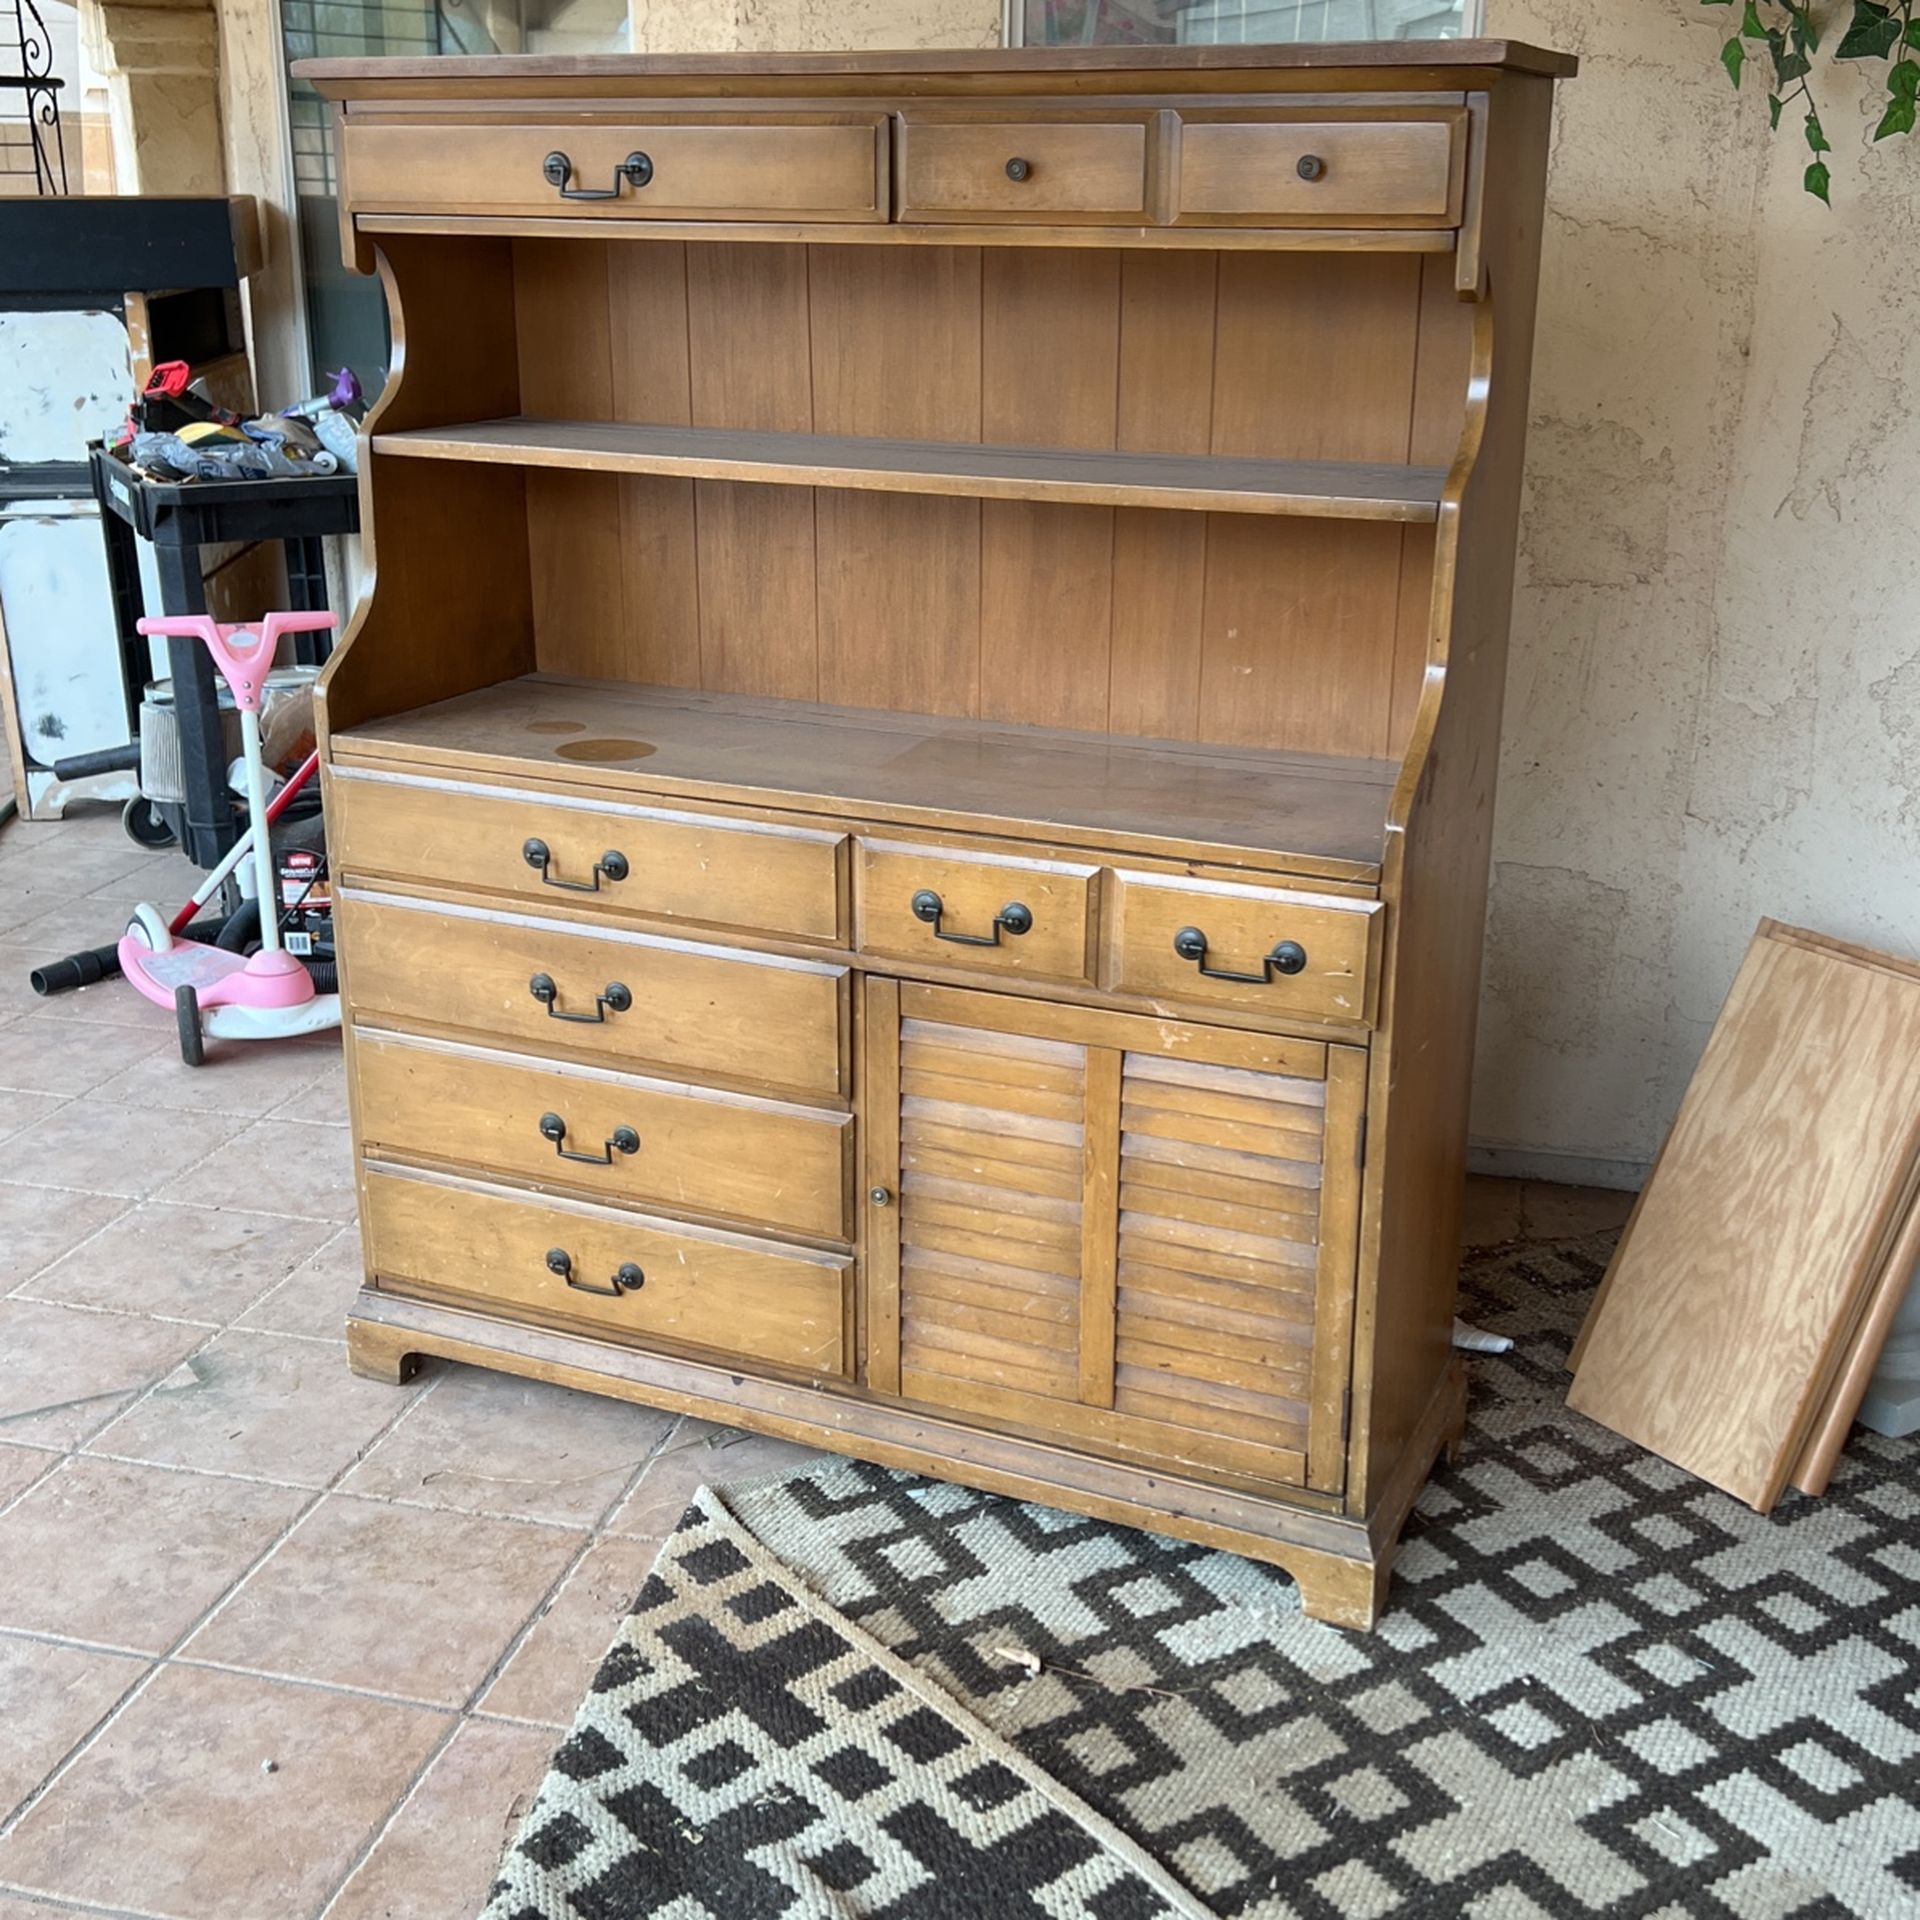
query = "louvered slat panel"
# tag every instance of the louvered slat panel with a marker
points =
(1220, 1173)
(991, 1157)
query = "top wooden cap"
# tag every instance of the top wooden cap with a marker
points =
(1385, 62)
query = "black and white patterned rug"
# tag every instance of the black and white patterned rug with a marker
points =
(1599, 1688)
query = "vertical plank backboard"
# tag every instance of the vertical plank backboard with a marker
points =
(896, 355)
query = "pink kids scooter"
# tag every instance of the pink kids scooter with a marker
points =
(262, 996)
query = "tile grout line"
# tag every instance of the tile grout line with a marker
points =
(518, 1640)
(65, 1905)
(139, 1686)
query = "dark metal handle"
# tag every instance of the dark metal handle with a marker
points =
(1013, 918)
(538, 855)
(1018, 169)
(1310, 166)
(616, 999)
(1288, 957)
(558, 170)
(625, 1278)
(620, 1140)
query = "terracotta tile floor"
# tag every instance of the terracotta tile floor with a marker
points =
(276, 1642)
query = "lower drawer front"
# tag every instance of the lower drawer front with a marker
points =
(632, 1278)
(642, 1142)
(626, 997)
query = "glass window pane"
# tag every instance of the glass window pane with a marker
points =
(1167, 23)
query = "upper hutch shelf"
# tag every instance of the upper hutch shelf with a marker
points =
(1322, 489)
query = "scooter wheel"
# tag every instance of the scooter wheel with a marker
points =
(146, 825)
(149, 927)
(186, 1015)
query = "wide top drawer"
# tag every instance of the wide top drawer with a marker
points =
(705, 869)
(681, 166)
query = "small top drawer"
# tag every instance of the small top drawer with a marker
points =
(653, 167)
(1254, 948)
(1320, 169)
(1001, 915)
(701, 868)
(1019, 170)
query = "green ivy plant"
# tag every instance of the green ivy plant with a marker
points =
(1786, 32)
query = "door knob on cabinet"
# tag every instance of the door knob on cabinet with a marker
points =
(557, 169)
(615, 999)
(1018, 169)
(1288, 957)
(881, 1196)
(1014, 918)
(1310, 166)
(620, 1140)
(612, 865)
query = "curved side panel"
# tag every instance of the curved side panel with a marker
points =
(1439, 840)
(445, 599)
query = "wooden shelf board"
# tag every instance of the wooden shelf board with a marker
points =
(1327, 489)
(1301, 813)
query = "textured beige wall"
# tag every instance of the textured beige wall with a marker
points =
(1714, 703)
(806, 26)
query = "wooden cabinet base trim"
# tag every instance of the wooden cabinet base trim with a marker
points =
(1342, 1565)
(941, 234)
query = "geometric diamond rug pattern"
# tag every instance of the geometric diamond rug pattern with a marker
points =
(1600, 1687)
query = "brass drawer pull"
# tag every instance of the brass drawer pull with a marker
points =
(615, 999)
(625, 1278)
(1288, 957)
(557, 170)
(538, 855)
(620, 1140)
(1013, 918)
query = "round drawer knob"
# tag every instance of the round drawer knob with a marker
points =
(1018, 169)
(881, 1196)
(1310, 166)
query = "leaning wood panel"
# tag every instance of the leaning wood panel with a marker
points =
(1734, 1295)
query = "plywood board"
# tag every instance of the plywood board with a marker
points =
(1737, 1292)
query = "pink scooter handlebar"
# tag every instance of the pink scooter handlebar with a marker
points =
(245, 668)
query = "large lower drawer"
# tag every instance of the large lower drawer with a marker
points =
(685, 166)
(628, 997)
(626, 1276)
(647, 1143)
(552, 848)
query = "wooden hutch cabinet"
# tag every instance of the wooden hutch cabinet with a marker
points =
(911, 793)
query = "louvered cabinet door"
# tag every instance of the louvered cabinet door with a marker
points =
(1106, 1229)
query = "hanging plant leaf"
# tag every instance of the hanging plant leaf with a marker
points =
(1788, 66)
(1871, 35)
(1816, 182)
(1911, 38)
(1816, 140)
(1804, 32)
(1733, 56)
(1750, 27)
(1903, 83)
(1774, 104)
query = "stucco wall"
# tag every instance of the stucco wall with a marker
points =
(1714, 705)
